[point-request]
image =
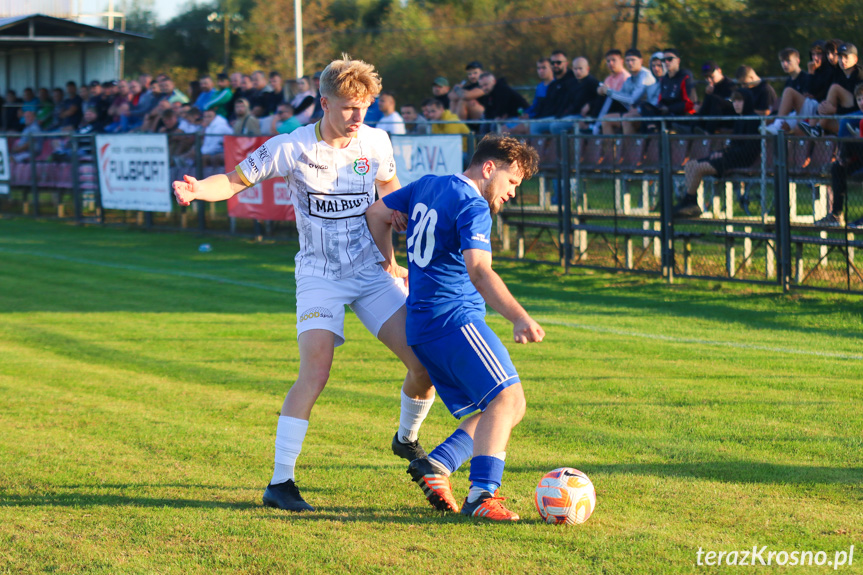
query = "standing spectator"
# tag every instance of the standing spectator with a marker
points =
(391, 121)
(71, 108)
(619, 102)
(245, 123)
(303, 103)
(502, 102)
(546, 76)
(57, 97)
(440, 90)
(415, 123)
(206, 85)
(135, 92)
(467, 100)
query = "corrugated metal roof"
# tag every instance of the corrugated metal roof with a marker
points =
(75, 28)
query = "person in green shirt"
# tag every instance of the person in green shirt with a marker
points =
(221, 97)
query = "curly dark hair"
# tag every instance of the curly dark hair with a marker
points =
(505, 150)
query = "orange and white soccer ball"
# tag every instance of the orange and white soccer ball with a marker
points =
(565, 495)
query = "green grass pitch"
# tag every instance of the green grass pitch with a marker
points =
(140, 382)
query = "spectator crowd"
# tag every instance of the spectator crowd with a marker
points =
(568, 97)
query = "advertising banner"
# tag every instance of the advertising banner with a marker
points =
(267, 201)
(133, 172)
(5, 174)
(417, 156)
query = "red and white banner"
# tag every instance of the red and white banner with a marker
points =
(267, 201)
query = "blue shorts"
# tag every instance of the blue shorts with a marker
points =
(468, 367)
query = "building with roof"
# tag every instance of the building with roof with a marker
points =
(45, 51)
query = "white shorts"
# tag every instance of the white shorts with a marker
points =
(373, 294)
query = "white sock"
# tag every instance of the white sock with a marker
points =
(290, 434)
(412, 415)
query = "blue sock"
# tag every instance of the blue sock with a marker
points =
(453, 452)
(486, 472)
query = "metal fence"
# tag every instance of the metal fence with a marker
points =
(607, 201)
(598, 201)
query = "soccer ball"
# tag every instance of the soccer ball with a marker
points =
(565, 495)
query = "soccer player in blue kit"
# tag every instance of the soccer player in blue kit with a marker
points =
(451, 280)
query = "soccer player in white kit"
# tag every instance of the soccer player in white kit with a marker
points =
(331, 168)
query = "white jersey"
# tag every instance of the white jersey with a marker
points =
(331, 189)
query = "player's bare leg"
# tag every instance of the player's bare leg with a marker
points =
(417, 394)
(316, 359)
(489, 452)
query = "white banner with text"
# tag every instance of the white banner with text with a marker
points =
(417, 156)
(133, 172)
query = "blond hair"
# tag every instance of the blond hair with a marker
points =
(350, 79)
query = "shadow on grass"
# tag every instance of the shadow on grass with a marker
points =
(725, 471)
(94, 500)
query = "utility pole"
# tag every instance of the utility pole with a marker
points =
(635, 24)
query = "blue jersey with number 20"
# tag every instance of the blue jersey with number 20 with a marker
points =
(446, 215)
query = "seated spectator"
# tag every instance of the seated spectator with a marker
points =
(796, 88)
(45, 113)
(245, 123)
(190, 119)
(740, 153)
(434, 112)
(585, 103)
(167, 90)
(619, 102)
(440, 90)
(543, 70)
(205, 84)
(123, 122)
(716, 101)
(763, 95)
(414, 122)
(57, 96)
(29, 101)
(677, 96)
(651, 97)
(11, 108)
(559, 93)
(318, 111)
(303, 102)
(71, 108)
(391, 121)
(467, 100)
(840, 97)
(287, 122)
(21, 148)
(502, 102)
(849, 160)
(90, 123)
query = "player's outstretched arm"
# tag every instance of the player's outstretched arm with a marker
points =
(498, 296)
(212, 189)
(379, 218)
